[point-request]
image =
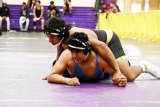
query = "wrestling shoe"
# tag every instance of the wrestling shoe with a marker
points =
(150, 68)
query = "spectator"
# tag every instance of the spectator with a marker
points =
(5, 13)
(109, 8)
(31, 3)
(113, 8)
(24, 17)
(67, 7)
(38, 11)
(52, 11)
(103, 8)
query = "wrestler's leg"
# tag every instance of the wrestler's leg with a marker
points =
(131, 72)
(65, 74)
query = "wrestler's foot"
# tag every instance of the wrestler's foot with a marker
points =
(150, 68)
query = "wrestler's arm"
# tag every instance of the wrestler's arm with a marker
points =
(104, 52)
(59, 51)
(118, 79)
(60, 67)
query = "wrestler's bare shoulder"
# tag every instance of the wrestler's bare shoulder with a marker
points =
(66, 54)
(89, 32)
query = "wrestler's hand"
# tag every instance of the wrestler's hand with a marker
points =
(73, 81)
(44, 78)
(120, 80)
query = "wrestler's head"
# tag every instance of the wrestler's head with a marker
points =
(56, 30)
(79, 46)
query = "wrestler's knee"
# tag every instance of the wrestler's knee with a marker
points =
(129, 74)
(49, 78)
(126, 70)
(130, 78)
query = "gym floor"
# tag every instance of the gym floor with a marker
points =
(26, 57)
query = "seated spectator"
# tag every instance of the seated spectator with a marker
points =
(31, 3)
(52, 11)
(103, 8)
(113, 8)
(67, 7)
(109, 8)
(5, 13)
(38, 11)
(24, 17)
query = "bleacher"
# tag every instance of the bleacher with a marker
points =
(81, 16)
